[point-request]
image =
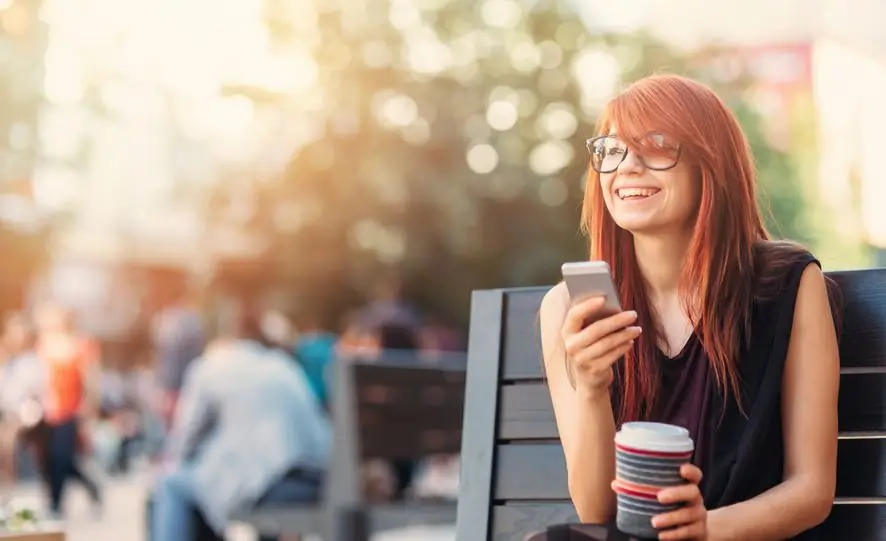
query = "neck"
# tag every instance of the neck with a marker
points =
(661, 259)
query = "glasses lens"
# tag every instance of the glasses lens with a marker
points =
(606, 153)
(659, 152)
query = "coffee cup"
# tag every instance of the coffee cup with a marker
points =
(648, 457)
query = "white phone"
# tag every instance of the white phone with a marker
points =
(585, 279)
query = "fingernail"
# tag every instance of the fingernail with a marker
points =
(636, 328)
(655, 522)
(633, 313)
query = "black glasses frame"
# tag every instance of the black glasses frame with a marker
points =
(590, 145)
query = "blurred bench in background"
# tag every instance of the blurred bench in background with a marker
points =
(513, 471)
(396, 408)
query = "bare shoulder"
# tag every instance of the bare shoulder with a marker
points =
(813, 331)
(551, 316)
(813, 292)
(554, 306)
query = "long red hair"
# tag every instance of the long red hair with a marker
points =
(717, 283)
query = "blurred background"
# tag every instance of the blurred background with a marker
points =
(319, 158)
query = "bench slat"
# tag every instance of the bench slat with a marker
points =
(537, 471)
(513, 522)
(863, 343)
(526, 412)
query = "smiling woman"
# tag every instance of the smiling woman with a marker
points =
(726, 332)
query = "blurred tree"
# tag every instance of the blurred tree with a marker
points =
(22, 234)
(445, 140)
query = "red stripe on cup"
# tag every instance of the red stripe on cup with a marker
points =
(630, 490)
(654, 454)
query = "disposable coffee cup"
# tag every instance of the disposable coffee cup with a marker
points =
(648, 457)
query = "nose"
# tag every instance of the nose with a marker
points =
(631, 164)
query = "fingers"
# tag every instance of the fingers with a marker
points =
(580, 312)
(689, 522)
(691, 473)
(587, 359)
(579, 339)
(687, 493)
(613, 341)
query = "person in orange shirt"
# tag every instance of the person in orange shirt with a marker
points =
(71, 399)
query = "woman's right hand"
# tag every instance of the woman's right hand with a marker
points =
(591, 350)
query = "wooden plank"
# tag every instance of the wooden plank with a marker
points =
(860, 522)
(526, 412)
(847, 521)
(862, 404)
(481, 405)
(863, 340)
(408, 441)
(522, 357)
(537, 471)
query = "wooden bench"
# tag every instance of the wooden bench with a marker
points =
(398, 408)
(513, 470)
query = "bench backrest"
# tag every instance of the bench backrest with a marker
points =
(513, 471)
(394, 408)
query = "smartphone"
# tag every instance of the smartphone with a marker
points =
(585, 279)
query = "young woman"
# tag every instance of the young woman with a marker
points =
(725, 332)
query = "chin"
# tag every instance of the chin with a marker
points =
(638, 226)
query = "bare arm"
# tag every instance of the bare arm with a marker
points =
(809, 417)
(584, 415)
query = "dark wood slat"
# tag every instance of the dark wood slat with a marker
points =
(405, 441)
(526, 412)
(863, 340)
(522, 358)
(538, 471)
(862, 522)
(408, 387)
(862, 402)
(514, 522)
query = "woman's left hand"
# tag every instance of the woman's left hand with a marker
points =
(691, 520)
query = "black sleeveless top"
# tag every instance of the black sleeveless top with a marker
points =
(741, 456)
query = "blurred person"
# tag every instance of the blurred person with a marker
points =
(715, 312)
(178, 339)
(248, 432)
(71, 401)
(389, 306)
(438, 338)
(357, 339)
(278, 330)
(315, 351)
(22, 387)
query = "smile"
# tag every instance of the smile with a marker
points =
(632, 194)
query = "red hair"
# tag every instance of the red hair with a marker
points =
(717, 282)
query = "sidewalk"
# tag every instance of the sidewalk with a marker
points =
(123, 517)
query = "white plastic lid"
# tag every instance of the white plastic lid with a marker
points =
(656, 437)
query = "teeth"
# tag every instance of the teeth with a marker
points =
(636, 192)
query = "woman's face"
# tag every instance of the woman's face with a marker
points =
(649, 192)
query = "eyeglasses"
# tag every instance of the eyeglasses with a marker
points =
(656, 151)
